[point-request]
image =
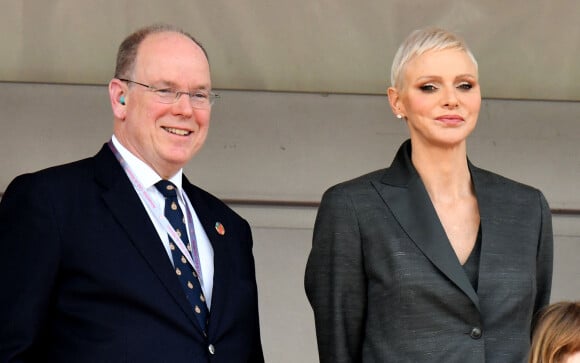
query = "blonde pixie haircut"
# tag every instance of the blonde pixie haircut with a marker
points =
(421, 41)
(557, 333)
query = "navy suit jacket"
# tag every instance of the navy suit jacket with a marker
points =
(386, 286)
(85, 277)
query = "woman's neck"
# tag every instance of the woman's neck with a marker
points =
(444, 171)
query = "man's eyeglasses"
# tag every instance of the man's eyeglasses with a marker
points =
(198, 99)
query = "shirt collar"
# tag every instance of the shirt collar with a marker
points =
(143, 172)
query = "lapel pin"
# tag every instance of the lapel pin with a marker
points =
(220, 228)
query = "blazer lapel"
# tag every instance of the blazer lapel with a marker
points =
(405, 195)
(222, 257)
(488, 200)
(125, 205)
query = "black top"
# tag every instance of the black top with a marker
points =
(471, 266)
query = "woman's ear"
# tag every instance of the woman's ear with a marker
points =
(395, 102)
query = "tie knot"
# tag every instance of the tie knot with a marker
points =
(166, 188)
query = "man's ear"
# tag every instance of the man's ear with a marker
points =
(118, 98)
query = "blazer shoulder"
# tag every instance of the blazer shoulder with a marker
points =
(356, 184)
(490, 186)
(72, 171)
(63, 175)
(496, 180)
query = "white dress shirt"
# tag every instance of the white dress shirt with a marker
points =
(148, 177)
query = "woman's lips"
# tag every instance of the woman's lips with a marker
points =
(450, 119)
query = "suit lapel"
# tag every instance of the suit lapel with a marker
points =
(126, 207)
(222, 258)
(406, 197)
(488, 200)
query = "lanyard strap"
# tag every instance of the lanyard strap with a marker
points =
(193, 257)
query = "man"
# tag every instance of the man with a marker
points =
(95, 264)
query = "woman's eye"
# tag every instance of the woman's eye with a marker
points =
(465, 86)
(427, 88)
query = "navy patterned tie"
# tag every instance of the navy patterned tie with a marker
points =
(184, 271)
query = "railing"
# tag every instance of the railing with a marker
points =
(313, 204)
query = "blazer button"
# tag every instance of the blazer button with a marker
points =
(475, 333)
(211, 349)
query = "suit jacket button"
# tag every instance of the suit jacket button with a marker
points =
(475, 333)
(211, 349)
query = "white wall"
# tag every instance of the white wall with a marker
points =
(291, 147)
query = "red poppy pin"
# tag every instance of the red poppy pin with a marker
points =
(220, 228)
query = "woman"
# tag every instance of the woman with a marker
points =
(557, 334)
(431, 259)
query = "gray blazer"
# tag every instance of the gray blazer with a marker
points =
(386, 286)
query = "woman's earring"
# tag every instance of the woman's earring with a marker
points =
(399, 116)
